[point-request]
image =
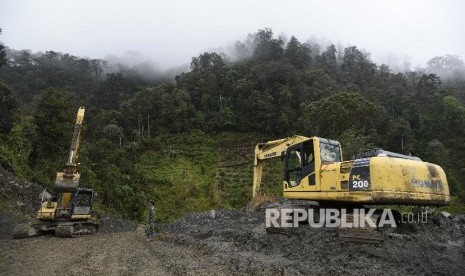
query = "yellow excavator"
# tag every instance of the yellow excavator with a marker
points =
(314, 171)
(69, 212)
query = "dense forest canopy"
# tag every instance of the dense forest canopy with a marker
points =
(272, 87)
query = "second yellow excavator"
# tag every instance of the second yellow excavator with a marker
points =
(314, 170)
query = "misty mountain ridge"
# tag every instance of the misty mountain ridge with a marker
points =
(134, 65)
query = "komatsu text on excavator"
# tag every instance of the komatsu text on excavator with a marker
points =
(68, 212)
(314, 170)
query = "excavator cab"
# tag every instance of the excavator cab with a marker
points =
(302, 159)
(82, 202)
(300, 162)
(76, 205)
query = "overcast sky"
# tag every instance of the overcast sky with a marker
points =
(171, 32)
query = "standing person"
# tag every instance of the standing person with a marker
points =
(150, 230)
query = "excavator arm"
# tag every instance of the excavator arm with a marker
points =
(68, 179)
(76, 142)
(263, 152)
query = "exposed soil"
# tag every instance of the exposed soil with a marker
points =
(18, 201)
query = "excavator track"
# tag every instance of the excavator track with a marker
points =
(359, 235)
(25, 230)
(33, 229)
(365, 234)
(64, 230)
(75, 229)
(369, 234)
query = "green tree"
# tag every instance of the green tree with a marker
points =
(358, 68)
(446, 66)
(267, 47)
(111, 92)
(54, 115)
(113, 132)
(8, 108)
(328, 59)
(315, 84)
(298, 54)
(207, 62)
(2, 52)
(96, 67)
(177, 110)
(454, 115)
(399, 136)
(354, 141)
(332, 116)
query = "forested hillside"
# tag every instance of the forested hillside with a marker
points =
(177, 140)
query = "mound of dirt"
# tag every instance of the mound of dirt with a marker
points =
(18, 201)
(240, 240)
(18, 196)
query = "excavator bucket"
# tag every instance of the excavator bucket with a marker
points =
(65, 183)
(258, 200)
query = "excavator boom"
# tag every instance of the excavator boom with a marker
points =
(269, 150)
(68, 179)
(265, 151)
(75, 144)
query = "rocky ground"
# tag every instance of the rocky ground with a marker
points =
(18, 201)
(222, 242)
(434, 248)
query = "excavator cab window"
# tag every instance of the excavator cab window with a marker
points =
(82, 203)
(83, 199)
(308, 167)
(309, 157)
(294, 167)
(300, 162)
(330, 152)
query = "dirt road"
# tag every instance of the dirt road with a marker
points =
(104, 254)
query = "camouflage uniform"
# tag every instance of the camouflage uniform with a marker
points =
(150, 230)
